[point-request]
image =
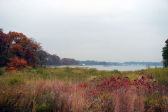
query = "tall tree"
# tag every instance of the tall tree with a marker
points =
(24, 48)
(5, 42)
(42, 57)
(53, 59)
(165, 54)
(17, 47)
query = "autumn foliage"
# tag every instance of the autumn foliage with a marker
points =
(16, 64)
(17, 50)
(16, 46)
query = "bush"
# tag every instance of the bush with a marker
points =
(160, 74)
(44, 107)
(157, 103)
(116, 72)
(16, 64)
(1, 71)
(14, 81)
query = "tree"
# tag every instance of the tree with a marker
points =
(18, 51)
(68, 61)
(42, 57)
(24, 48)
(165, 54)
(5, 42)
(53, 59)
(16, 46)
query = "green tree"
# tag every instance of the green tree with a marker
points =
(165, 54)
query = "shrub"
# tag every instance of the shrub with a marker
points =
(157, 103)
(16, 64)
(116, 72)
(15, 81)
(160, 75)
(1, 71)
(44, 107)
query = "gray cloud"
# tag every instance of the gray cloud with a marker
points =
(109, 30)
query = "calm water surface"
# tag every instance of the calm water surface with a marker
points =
(120, 68)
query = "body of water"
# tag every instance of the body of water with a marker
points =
(120, 68)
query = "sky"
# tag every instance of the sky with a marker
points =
(102, 30)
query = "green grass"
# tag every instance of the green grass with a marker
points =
(33, 87)
(78, 74)
(160, 74)
(64, 74)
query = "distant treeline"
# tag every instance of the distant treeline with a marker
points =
(90, 62)
(55, 60)
(18, 51)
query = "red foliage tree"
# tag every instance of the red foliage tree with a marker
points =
(24, 48)
(17, 46)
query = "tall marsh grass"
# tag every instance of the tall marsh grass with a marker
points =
(160, 74)
(83, 90)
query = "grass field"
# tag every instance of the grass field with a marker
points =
(83, 90)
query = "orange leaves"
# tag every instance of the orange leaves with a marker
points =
(23, 48)
(16, 48)
(16, 34)
(14, 44)
(16, 64)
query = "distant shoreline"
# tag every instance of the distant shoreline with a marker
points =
(109, 67)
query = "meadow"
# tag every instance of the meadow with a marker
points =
(83, 90)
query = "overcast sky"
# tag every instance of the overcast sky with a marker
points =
(103, 30)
